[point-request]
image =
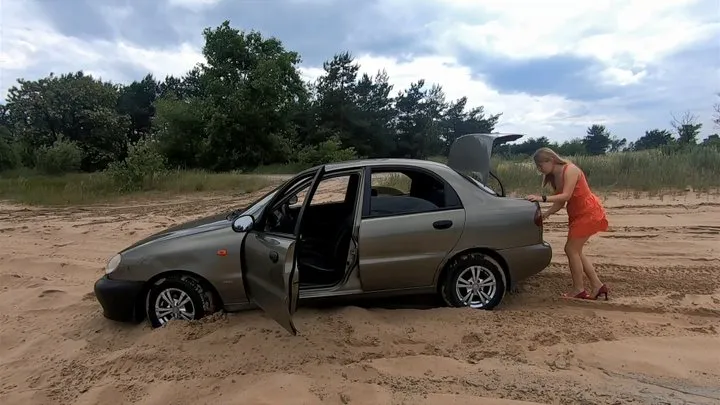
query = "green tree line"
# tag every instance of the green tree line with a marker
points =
(248, 106)
(598, 140)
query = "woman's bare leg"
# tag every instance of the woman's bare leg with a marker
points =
(573, 250)
(589, 270)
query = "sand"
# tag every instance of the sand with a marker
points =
(655, 342)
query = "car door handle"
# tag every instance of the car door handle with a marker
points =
(445, 224)
(274, 256)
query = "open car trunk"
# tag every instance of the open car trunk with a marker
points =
(470, 154)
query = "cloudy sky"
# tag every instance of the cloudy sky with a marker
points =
(553, 67)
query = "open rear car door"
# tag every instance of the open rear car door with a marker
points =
(470, 154)
(270, 273)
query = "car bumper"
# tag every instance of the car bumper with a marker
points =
(526, 261)
(118, 298)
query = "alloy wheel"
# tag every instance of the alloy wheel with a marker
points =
(174, 303)
(476, 286)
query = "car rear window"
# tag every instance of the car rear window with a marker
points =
(476, 183)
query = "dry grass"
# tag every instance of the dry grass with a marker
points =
(649, 172)
(88, 188)
(652, 172)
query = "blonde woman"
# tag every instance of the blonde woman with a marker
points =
(586, 217)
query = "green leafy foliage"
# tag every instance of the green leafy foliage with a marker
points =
(178, 126)
(9, 151)
(75, 106)
(247, 107)
(653, 139)
(329, 151)
(63, 156)
(143, 168)
(687, 128)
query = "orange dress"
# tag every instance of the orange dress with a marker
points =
(586, 215)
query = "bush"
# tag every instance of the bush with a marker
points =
(326, 152)
(9, 156)
(142, 169)
(63, 156)
(9, 152)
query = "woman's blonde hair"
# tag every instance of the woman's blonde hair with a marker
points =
(545, 154)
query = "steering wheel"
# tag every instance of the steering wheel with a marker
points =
(277, 217)
(281, 216)
(284, 209)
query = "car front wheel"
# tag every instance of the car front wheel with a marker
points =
(181, 298)
(475, 281)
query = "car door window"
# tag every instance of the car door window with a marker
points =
(331, 190)
(283, 217)
(402, 192)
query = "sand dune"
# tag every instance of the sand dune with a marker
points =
(657, 341)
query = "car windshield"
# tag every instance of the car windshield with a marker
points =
(476, 183)
(255, 208)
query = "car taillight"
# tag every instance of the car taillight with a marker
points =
(538, 216)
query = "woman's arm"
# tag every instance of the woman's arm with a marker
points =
(570, 178)
(569, 181)
(557, 206)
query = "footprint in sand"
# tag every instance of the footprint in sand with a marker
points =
(49, 293)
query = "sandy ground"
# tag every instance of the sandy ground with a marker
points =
(655, 342)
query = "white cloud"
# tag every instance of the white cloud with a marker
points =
(194, 5)
(628, 37)
(622, 34)
(631, 40)
(30, 44)
(621, 76)
(553, 116)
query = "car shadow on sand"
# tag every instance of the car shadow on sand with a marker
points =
(421, 302)
(401, 302)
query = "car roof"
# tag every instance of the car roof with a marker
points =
(358, 163)
(419, 163)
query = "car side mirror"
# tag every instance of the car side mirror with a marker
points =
(243, 223)
(293, 200)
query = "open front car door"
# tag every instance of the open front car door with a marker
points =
(270, 273)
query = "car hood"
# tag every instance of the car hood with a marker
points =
(205, 224)
(472, 153)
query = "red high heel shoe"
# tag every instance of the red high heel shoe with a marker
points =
(603, 290)
(581, 295)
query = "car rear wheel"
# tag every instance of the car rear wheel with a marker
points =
(177, 298)
(475, 281)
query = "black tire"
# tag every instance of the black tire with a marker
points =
(460, 266)
(200, 301)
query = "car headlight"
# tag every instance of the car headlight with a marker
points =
(113, 264)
